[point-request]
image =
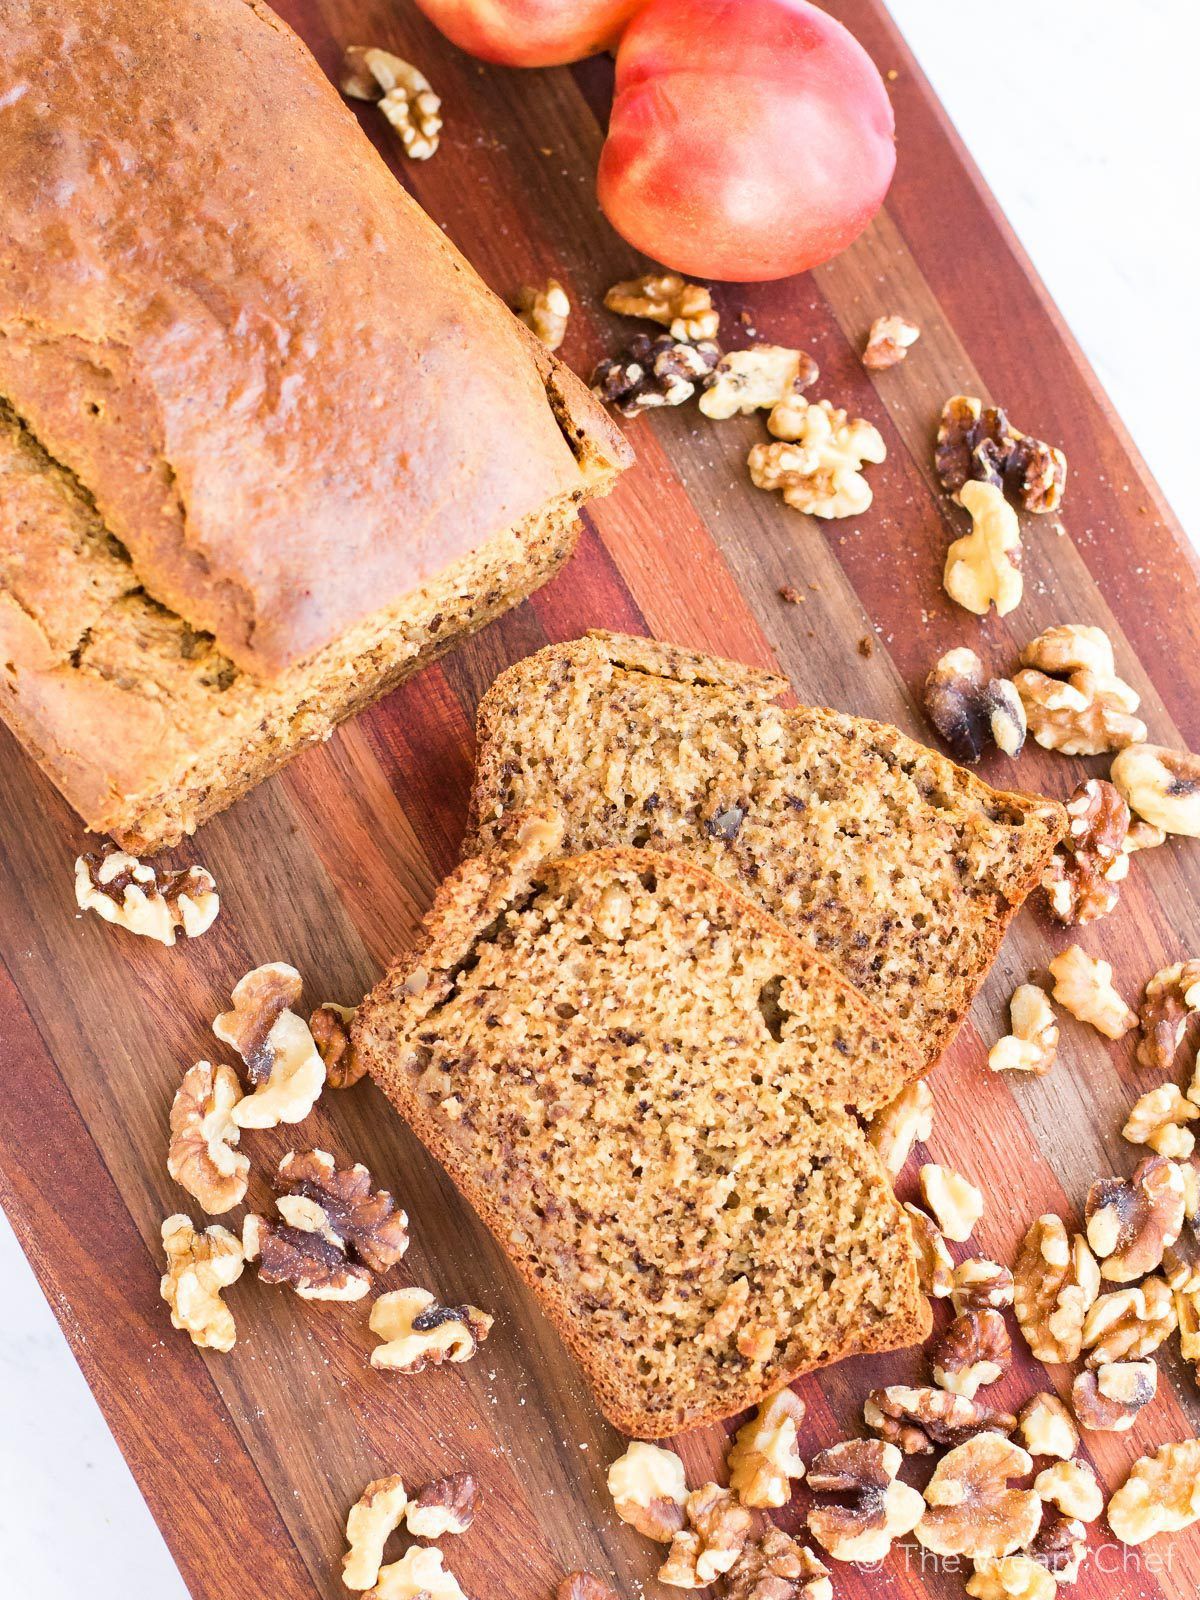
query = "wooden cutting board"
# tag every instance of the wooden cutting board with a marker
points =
(250, 1461)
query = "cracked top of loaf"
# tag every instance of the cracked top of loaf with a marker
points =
(290, 398)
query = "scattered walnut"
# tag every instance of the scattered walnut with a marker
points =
(971, 1511)
(970, 710)
(330, 1028)
(877, 1507)
(1130, 1223)
(418, 1575)
(1160, 1495)
(1056, 1280)
(1060, 1546)
(1128, 1324)
(983, 568)
(373, 1518)
(818, 465)
(1011, 1578)
(777, 1567)
(199, 1266)
(1109, 1399)
(444, 1505)
(981, 1285)
(756, 380)
(1181, 1260)
(583, 1586)
(935, 1264)
(649, 1490)
(1047, 1428)
(1170, 998)
(299, 1252)
(1072, 1488)
(1083, 986)
(765, 1455)
(1073, 698)
(1143, 836)
(717, 1533)
(404, 95)
(281, 1059)
(975, 1350)
(417, 1332)
(919, 1419)
(130, 893)
(201, 1157)
(1162, 786)
(363, 1219)
(900, 1124)
(685, 309)
(1033, 1043)
(545, 311)
(653, 372)
(1082, 880)
(977, 443)
(1159, 1118)
(1187, 1313)
(888, 342)
(956, 1204)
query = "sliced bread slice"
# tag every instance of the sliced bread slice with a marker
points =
(641, 1082)
(898, 867)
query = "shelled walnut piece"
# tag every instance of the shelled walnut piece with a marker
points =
(363, 1219)
(417, 1332)
(1032, 1045)
(974, 1351)
(418, 1575)
(775, 1566)
(920, 1419)
(201, 1157)
(715, 1536)
(1160, 1495)
(583, 1586)
(1108, 1399)
(1159, 1119)
(442, 1506)
(1083, 986)
(1060, 1546)
(1187, 1313)
(297, 1252)
(653, 372)
(983, 568)
(1073, 698)
(1072, 1488)
(765, 1455)
(280, 1056)
(1056, 1280)
(330, 1028)
(1181, 1260)
(981, 1285)
(1047, 1428)
(1128, 1324)
(757, 379)
(684, 309)
(199, 1266)
(956, 1203)
(371, 1521)
(977, 443)
(889, 342)
(403, 94)
(1171, 996)
(817, 465)
(1162, 786)
(649, 1490)
(903, 1122)
(136, 896)
(877, 1507)
(970, 1509)
(971, 710)
(1083, 877)
(1011, 1578)
(545, 311)
(1130, 1223)
(935, 1264)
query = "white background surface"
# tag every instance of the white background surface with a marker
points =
(1083, 116)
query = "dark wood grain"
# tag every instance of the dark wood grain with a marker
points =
(249, 1461)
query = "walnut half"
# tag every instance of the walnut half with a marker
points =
(1018, 1577)
(1108, 1399)
(1162, 786)
(777, 1567)
(199, 1266)
(971, 1511)
(974, 1351)
(977, 443)
(280, 1055)
(442, 1506)
(684, 309)
(1131, 1223)
(1169, 999)
(1160, 1495)
(817, 465)
(649, 1490)
(403, 94)
(971, 710)
(1056, 1282)
(133, 895)
(956, 1203)
(545, 311)
(417, 1332)
(889, 342)
(920, 1419)
(756, 379)
(765, 1456)
(1074, 700)
(900, 1124)
(715, 1537)
(1083, 877)
(983, 568)
(201, 1157)
(876, 1508)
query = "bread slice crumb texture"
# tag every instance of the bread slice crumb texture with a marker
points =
(642, 1083)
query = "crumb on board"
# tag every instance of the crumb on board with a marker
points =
(792, 595)
(866, 646)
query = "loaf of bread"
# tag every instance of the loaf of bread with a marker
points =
(641, 1082)
(266, 441)
(899, 868)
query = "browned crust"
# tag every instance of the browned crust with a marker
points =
(1045, 820)
(465, 904)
